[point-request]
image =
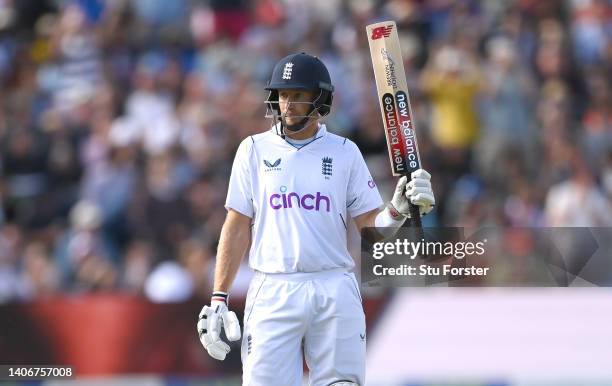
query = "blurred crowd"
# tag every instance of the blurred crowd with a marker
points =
(119, 120)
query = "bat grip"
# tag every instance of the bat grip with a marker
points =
(415, 217)
(415, 222)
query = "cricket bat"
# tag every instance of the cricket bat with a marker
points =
(394, 103)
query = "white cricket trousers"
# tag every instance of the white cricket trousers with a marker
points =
(317, 316)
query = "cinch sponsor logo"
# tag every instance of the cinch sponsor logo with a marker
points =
(284, 200)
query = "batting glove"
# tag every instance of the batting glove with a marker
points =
(211, 319)
(416, 191)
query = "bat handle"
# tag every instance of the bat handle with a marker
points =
(415, 217)
(415, 222)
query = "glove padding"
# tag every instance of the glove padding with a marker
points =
(417, 191)
(209, 328)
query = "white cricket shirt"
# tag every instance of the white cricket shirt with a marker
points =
(299, 200)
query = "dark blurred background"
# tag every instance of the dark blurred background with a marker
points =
(119, 120)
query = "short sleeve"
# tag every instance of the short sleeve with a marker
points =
(362, 193)
(240, 192)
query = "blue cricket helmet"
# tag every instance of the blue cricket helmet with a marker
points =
(305, 72)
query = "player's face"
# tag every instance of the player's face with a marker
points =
(294, 104)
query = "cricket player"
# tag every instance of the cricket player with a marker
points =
(291, 191)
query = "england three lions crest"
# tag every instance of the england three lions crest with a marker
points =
(326, 167)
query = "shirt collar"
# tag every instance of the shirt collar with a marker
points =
(321, 132)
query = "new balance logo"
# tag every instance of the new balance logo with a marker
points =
(326, 167)
(287, 71)
(381, 32)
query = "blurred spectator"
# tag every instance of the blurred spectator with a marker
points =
(591, 22)
(111, 175)
(452, 82)
(150, 108)
(522, 207)
(597, 117)
(139, 259)
(159, 210)
(578, 202)
(40, 273)
(77, 53)
(12, 285)
(196, 257)
(85, 256)
(507, 103)
(25, 171)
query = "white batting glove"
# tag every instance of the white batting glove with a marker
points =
(417, 191)
(211, 319)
